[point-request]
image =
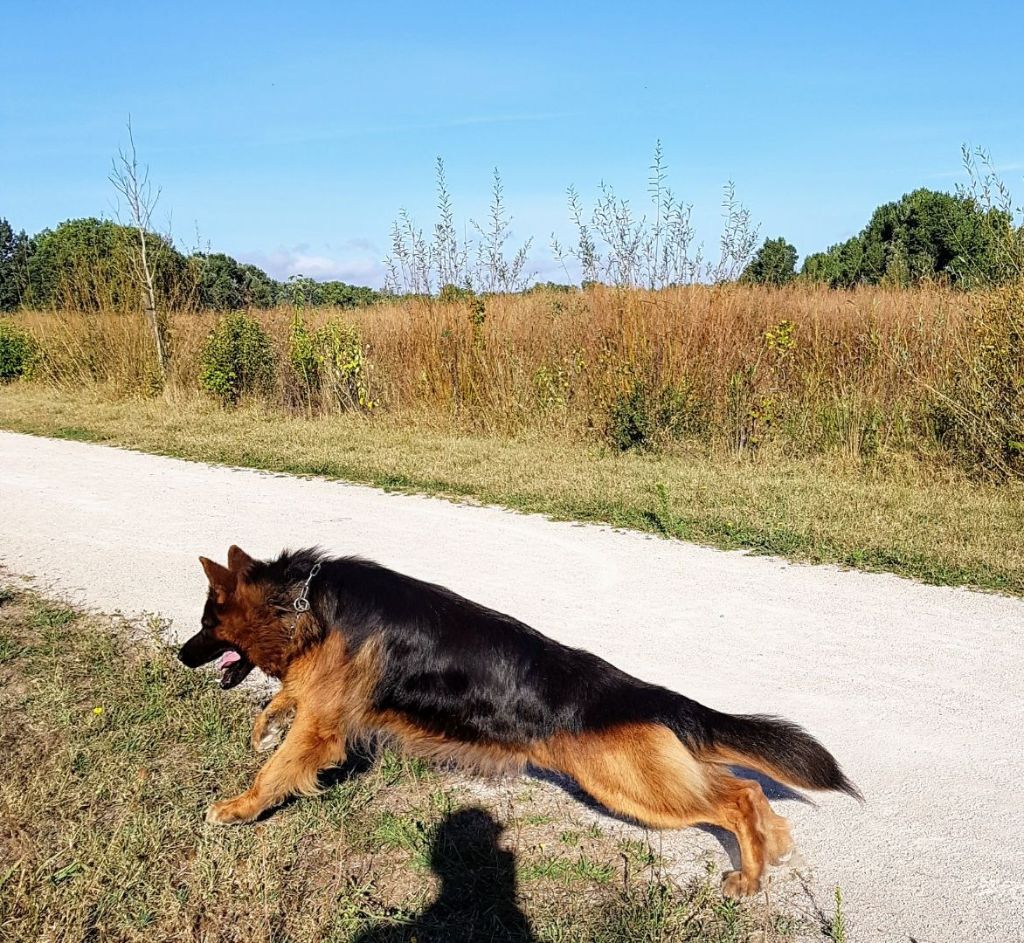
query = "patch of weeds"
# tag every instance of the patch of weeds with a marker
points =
(48, 615)
(570, 837)
(329, 366)
(835, 929)
(639, 854)
(77, 434)
(393, 766)
(660, 517)
(645, 417)
(568, 870)
(404, 831)
(696, 913)
(9, 649)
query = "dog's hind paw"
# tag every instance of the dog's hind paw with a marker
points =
(737, 884)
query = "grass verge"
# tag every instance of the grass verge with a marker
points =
(903, 517)
(110, 750)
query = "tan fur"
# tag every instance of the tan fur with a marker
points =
(487, 758)
(645, 772)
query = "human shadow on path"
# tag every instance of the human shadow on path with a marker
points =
(477, 902)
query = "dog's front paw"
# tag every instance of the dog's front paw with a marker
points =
(228, 812)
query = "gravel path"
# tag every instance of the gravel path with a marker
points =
(918, 690)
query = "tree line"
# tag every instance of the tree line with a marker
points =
(926, 235)
(86, 264)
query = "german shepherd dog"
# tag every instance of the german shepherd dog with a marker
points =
(362, 651)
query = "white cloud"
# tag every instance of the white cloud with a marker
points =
(356, 261)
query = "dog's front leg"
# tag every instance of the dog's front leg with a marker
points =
(313, 743)
(270, 724)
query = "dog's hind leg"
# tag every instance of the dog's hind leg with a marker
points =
(645, 772)
(738, 805)
(314, 742)
(778, 844)
(272, 721)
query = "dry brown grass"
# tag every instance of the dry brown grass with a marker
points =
(810, 368)
(803, 421)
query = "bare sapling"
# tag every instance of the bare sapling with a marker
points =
(132, 182)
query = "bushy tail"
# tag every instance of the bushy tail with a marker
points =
(780, 749)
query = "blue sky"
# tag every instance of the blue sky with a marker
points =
(291, 134)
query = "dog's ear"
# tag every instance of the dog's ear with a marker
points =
(239, 561)
(222, 580)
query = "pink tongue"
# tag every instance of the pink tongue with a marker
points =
(228, 658)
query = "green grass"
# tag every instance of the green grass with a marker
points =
(568, 870)
(110, 751)
(896, 515)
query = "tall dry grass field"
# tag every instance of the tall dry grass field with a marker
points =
(802, 368)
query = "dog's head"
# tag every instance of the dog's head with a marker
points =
(239, 626)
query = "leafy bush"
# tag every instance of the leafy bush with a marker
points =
(644, 417)
(453, 294)
(18, 352)
(330, 363)
(238, 359)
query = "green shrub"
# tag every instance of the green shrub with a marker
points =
(303, 359)
(330, 364)
(18, 352)
(630, 420)
(453, 294)
(646, 416)
(238, 359)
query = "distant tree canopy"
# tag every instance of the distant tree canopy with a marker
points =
(15, 252)
(924, 235)
(89, 264)
(773, 264)
(225, 284)
(300, 290)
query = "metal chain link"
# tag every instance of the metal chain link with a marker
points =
(301, 603)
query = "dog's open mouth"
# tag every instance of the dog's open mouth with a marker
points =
(233, 667)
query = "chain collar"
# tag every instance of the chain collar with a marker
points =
(301, 603)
